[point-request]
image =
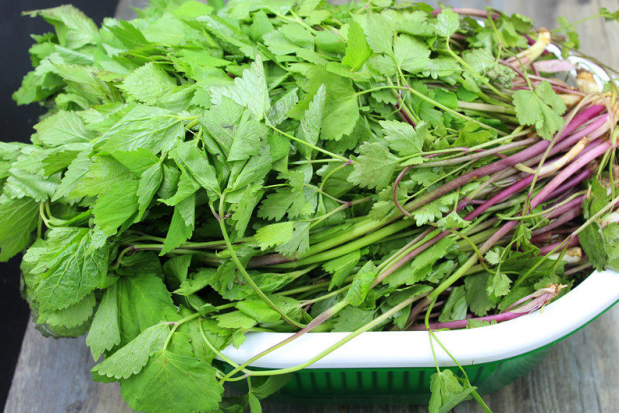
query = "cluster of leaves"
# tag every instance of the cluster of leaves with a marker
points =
(191, 155)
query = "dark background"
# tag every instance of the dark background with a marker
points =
(16, 125)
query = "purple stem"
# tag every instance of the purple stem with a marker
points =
(575, 202)
(570, 241)
(569, 171)
(478, 173)
(564, 218)
(534, 69)
(548, 189)
(404, 115)
(594, 129)
(480, 153)
(522, 156)
(572, 183)
(535, 304)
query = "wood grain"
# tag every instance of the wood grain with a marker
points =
(580, 374)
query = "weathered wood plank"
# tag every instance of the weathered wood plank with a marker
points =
(580, 374)
(54, 376)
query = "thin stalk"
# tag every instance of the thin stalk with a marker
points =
(314, 147)
(313, 324)
(479, 155)
(244, 272)
(332, 348)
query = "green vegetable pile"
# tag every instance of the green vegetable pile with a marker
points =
(207, 171)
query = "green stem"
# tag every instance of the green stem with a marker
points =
(335, 346)
(474, 73)
(316, 322)
(453, 112)
(176, 324)
(314, 147)
(486, 107)
(215, 350)
(349, 247)
(572, 235)
(244, 272)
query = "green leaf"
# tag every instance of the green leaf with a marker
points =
(471, 135)
(147, 127)
(447, 23)
(62, 128)
(39, 83)
(115, 206)
(196, 282)
(298, 35)
(74, 174)
(236, 320)
(176, 269)
(196, 164)
(244, 209)
(542, 108)
(411, 54)
(147, 187)
(600, 239)
(270, 385)
(447, 391)
(103, 173)
(104, 332)
(485, 64)
(358, 51)
(148, 83)
(453, 221)
(68, 266)
(235, 131)
(18, 218)
(173, 383)
(181, 226)
(351, 318)
(143, 301)
(310, 125)
(455, 308)
(279, 110)
(299, 242)
(420, 268)
(498, 284)
(341, 110)
(374, 168)
(442, 66)
(72, 316)
(403, 138)
(130, 359)
(73, 28)
(380, 32)
(250, 90)
(608, 15)
(22, 183)
(415, 24)
(477, 296)
(259, 310)
(274, 234)
(435, 209)
(254, 403)
(341, 267)
(361, 284)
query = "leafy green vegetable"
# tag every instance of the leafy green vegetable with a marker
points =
(207, 171)
(542, 108)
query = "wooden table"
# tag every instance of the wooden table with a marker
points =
(580, 374)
